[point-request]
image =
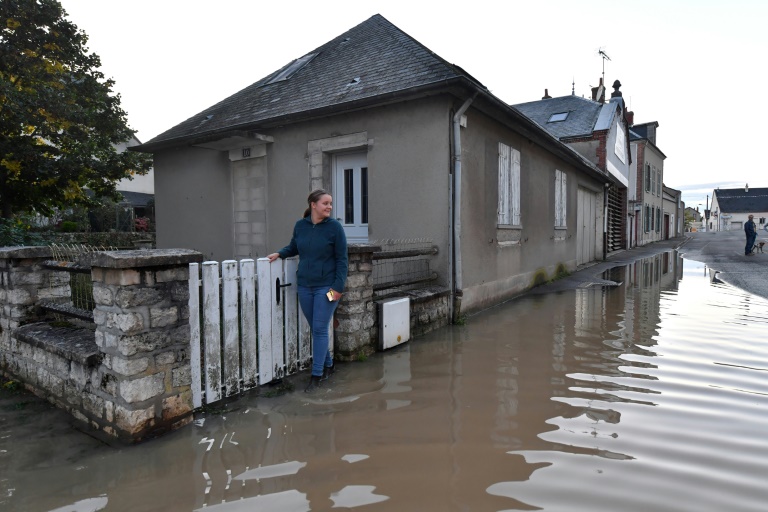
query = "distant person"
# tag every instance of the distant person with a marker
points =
(751, 231)
(321, 245)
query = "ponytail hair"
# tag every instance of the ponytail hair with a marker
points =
(314, 197)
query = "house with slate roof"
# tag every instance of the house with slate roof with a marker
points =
(645, 194)
(598, 131)
(731, 208)
(410, 145)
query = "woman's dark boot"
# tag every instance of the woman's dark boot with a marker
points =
(328, 371)
(314, 384)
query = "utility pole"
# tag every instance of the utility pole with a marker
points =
(706, 215)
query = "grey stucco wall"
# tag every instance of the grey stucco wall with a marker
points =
(493, 271)
(408, 162)
(193, 205)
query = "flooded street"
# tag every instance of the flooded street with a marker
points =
(651, 395)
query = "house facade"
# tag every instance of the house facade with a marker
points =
(673, 211)
(646, 195)
(410, 147)
(598, 130)
(731, 208)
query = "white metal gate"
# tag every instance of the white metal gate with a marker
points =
(245, 326)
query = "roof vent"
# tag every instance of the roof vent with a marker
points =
(354, 81)
(746, 187)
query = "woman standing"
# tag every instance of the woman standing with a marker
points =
(321, 245)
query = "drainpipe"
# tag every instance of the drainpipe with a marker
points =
(456, 206)
(605, 220)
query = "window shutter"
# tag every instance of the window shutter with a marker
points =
(515, 187)
(561, 190)
(502, 211)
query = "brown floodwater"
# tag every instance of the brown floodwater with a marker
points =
(650, 395)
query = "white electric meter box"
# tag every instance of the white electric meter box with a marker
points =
(394, 322)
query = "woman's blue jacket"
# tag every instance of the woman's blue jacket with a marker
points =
(322, 251)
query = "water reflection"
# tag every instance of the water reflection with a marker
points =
(646, 391)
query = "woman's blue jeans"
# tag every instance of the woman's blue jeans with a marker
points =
(318, 311)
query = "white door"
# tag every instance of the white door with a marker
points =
(586, 226)
(350, 194)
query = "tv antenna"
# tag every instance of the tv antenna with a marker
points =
(605, 57)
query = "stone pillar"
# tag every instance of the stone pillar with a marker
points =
(142, 330)
(356, 333)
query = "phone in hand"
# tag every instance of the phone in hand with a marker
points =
(330, 295)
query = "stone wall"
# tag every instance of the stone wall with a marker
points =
(429, 309)
(128, 376)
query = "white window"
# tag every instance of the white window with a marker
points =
(561, 192)
(350, 197)
(508, 212)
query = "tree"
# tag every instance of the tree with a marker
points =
(689, 218)
(59, 119)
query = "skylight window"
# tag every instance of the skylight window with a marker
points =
(560, 116)
(289, 70)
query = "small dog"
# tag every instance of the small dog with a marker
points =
(758, 246)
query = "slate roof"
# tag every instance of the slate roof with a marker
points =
(136, 198)
(371, 64)
(582, 115)
(372, 60)
(736, 200)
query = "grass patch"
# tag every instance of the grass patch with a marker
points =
(539, 278)
(560, 272)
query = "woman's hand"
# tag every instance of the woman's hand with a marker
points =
(336, 295)
(272, 257)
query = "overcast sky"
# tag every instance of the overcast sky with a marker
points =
(698, 68)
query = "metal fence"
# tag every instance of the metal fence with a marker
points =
(71, 289)
(402, 264)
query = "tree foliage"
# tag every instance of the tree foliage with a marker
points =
(59, 118)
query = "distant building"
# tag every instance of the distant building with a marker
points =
(138, 192)
(646, 191)
(673, 218)
(732, 206)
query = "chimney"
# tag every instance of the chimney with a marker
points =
(546, 95)
(598, 93)
(630, 118)
(746, 187)
(616, 92)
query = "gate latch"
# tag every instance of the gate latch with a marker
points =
(277, 289)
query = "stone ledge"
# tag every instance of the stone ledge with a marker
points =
(418, 295)
(8, 253)
(76, 344)
(362, 248)
(145, 258)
